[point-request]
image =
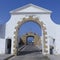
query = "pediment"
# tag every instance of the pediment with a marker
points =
(30, 8)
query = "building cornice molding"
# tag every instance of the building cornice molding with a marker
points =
(27, 6)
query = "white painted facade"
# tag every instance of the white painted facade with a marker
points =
(7, 30)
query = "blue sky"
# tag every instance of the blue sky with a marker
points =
(8, 5)
(30, 27)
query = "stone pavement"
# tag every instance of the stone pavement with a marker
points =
(28, 57)
(5, 56)
(54, 57)
(30, 52)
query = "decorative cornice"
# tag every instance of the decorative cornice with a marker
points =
(27, 6)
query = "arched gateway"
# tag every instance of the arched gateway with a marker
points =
(44, 33)
(30, 14)
(25, 14)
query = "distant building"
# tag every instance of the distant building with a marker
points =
(50, 38)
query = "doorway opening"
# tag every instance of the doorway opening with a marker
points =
(52, 45)
(29, 34)
(8, 46)
(30, 40)
(51, 49)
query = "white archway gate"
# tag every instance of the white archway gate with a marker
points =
(40, 23)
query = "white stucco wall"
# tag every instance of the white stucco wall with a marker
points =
(52, 28)
(57, 42)
(10, 26)
(2, 46)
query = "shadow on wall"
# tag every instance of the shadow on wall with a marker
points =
(2, 30)
(20, 43)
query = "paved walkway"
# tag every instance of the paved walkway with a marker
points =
(30, 52)
(5, 56)
(54, 57)
(29, 57)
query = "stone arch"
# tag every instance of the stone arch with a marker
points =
(40, 23)
(37, 38)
